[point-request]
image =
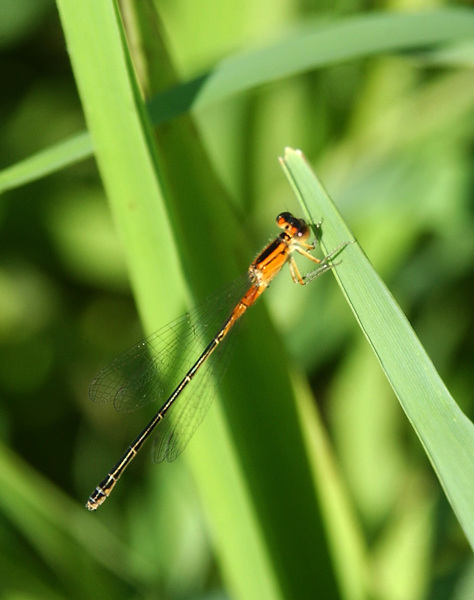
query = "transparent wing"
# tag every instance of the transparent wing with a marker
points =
(151, 370)
(187, 413)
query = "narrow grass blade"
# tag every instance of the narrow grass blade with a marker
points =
(312, 46)
(47, 161)
(446, 433)
(255, 530)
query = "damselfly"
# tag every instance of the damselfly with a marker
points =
(141, 374)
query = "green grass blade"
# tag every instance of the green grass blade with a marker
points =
(62, 534)
(312, 46)
(446, 433)
(255, 531)
(49, 160)
(124, 150)
(320, 45)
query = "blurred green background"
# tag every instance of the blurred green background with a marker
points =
(392, 138)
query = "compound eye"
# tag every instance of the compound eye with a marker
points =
(284, 220)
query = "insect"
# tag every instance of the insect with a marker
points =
(138, 376)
